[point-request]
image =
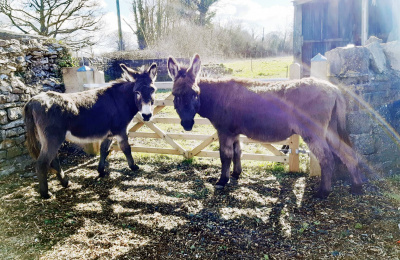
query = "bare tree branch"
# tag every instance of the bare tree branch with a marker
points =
(53, 18)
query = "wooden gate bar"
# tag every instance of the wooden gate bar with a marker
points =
(292, 158)
(164, 136)
(203, 145)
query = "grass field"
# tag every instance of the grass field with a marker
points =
(276, 67)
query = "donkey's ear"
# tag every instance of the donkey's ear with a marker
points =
(153, 71)
(129, 74)
(195, 66)
(173, 67)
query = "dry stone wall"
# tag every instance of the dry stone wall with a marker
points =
(370, 75)
(28, 65)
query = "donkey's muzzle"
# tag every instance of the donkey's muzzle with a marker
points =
(187, 124)
(146, 117)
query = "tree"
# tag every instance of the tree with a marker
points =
(153, 19)
(203, 9)
(67, 20)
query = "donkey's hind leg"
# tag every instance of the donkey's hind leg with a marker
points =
(322, 151)
(350, 159)
(50, 143)
(126, 149)
(44, 160)
(55, 164)
(104, 151)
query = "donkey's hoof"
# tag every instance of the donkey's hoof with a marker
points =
(65, 183)
(233, 181)
(103, 173)
(322, 194)
(356, 190)
(134, 167)
(219, 187)
(46, 196)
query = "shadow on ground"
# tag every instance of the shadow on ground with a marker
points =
(170, 209)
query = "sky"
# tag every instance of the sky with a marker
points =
(254, 15)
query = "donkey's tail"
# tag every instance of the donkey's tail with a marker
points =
(340, 107)
(32, 141)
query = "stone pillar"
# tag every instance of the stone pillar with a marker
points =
(319, 67)
(70, 78)
(295, 71)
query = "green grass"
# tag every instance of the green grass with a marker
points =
(276, 67)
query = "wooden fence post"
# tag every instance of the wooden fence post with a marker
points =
(294, 160)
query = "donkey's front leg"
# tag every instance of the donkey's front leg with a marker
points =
(126, 149)
(226, 155)
(104, 151)
(237, 164)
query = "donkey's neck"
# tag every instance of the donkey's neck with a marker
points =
(126, 93)
(207, 99)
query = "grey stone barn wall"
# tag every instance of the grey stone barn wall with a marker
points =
(28, 65)
(370, 75)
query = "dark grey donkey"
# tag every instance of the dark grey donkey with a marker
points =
(84, 117)
(268, 112)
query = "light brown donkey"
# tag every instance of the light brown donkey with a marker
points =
(268, 112)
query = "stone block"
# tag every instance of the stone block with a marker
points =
(18, 91)
(7, 69)
(359, 123)
(11, 132)
(3, 117)
(392, 52)
(3, 99)
(20, 139)
(363, 144)
(377, 58)
(12, 98)
(14, 113)
(4, 43)
(3, 154)
(16, 123)
(24, 97)
(7, 144)
(348, 61)
(17, 83)
(13, 152)
(5, 88)
(7, 171)
(373, 39)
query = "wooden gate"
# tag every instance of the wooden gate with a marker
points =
(292, 156)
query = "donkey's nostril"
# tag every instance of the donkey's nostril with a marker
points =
(146, 117)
